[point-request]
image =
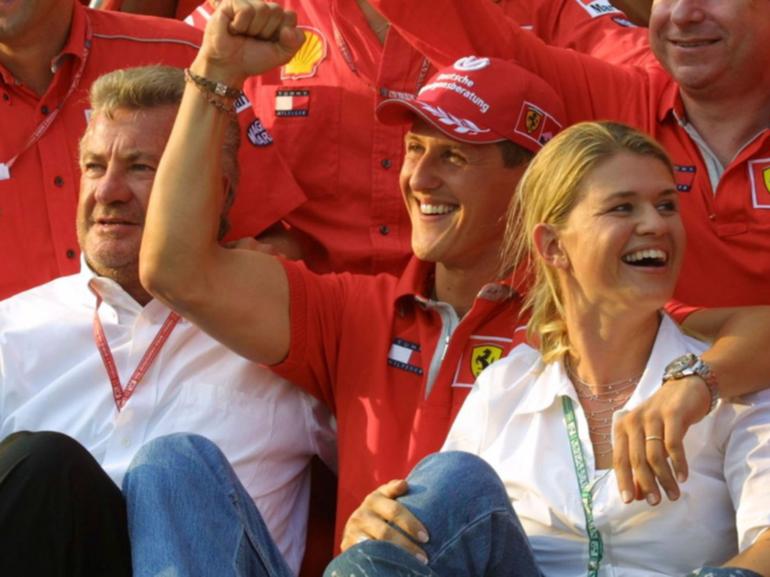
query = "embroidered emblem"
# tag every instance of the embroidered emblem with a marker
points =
(459, 125)
(625, 22)
(533, 119)
(292, 102)
(759, 177)
(304, 64)
(684, 175)
(469, 63)
(242, 103)
(536, 124)
(258, 134)
(483, 356)
(598, 8)
(404, 355)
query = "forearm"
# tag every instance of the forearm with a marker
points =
(737, 356)
(183, 213)
(756, 558)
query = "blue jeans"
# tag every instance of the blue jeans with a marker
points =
(473, 529)
(189, 515)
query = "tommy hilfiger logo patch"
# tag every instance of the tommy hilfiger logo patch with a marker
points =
(403, 354)
(292, 102)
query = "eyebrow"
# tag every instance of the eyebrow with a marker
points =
(623, 194)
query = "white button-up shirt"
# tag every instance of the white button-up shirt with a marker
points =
(514, 420)
(52, 378)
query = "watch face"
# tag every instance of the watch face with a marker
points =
(679, 364)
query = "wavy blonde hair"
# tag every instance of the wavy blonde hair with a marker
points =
(547, 193)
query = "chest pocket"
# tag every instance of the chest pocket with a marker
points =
(304, 121)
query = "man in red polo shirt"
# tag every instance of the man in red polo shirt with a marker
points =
(319, 109)
(394, 357)
(50, 53)
(707, 101)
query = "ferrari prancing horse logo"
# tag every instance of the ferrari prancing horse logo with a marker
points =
(483, 356)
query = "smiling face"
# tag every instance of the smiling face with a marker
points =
(621, 246)
(456, 195)
(118, 159)
(713, 45)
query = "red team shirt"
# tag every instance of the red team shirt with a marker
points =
(319, 109)
(38, 202)
(727, 261)
(364, 346)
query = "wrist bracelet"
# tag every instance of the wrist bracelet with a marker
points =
(216, 93)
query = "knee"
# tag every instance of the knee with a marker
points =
(170, 456)
(464, 475)
(44, 453)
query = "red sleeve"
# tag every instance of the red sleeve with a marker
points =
(316, 303)
(679, 311)
(596, 28)
(445, 30)
(267, 190)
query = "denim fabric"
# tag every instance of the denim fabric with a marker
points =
(472, 526)
(188, 515)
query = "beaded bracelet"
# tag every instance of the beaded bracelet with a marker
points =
(219, 95)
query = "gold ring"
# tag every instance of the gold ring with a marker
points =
(653, 438)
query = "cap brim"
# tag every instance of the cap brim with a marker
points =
(396, 111)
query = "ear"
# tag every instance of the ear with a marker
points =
(549, 247)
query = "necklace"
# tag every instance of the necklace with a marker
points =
(600, 407)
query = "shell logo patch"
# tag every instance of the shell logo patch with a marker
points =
(483, 356)
(304, 64)
(759, 177)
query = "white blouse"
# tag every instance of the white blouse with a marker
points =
(514, 419)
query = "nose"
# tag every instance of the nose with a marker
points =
(687, 12)
(112, 187)
(652, 222)
(421, 173)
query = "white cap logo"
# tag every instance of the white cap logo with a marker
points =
(469, 63)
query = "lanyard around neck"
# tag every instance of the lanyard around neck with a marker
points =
(42, 128)
(595, 542)
(122, 394)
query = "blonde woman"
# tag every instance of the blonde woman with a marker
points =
(596, 217)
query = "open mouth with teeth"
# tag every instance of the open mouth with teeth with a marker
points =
(654, 258)
(437, 209)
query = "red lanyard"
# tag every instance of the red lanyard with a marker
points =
(42, 128)
(119, 393)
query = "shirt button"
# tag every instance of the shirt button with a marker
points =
(384, 230)
(126, 443)
(58, 181)
(6, 97)
(712, 217)
(44, 109)
(71, 253)
(386, 163)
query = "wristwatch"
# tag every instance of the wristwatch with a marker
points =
(688, 365)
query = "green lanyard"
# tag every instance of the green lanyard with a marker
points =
(595, 543)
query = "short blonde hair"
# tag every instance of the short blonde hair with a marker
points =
(158, 85)
(547, 192)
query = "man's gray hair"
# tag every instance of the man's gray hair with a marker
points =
(157, 85)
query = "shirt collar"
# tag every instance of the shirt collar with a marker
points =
(75, 46)
(671, 104)
(113, 296)
(552, 382)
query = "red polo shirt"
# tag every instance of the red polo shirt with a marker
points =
(365, 346)
(38, 202)
(727, 261)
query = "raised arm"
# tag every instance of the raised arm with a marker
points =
(740, 365)
(240, 297)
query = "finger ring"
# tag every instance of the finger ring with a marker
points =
(653, 438)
